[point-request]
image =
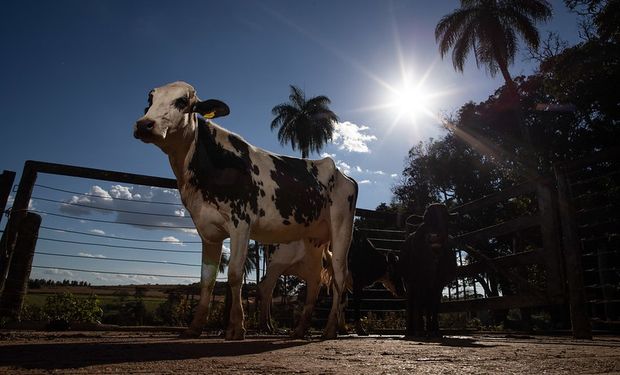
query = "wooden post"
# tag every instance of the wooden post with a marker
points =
(6, 184)
(18, 212)
(16, 284)
(572, 258)
(550, 231)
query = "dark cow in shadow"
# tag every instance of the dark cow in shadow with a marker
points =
(427, 264)
(367, 265)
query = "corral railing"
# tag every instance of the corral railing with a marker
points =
(517, 261)
(589, 204)
(530, 257)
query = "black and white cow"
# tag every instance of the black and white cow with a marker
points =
(233, 189)
(427, 264)
(366, 266)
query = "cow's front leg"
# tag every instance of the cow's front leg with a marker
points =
(211, 253)
(312, 292)
(238, 253)
(265, 291)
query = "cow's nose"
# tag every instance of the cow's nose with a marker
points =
(145, 124)
(144, 128)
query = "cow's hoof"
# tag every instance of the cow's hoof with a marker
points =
(235, 334)
(298, 334)
(329, 335)
(190, 334)
(360, 330)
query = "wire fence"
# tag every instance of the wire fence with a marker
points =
(114, 233)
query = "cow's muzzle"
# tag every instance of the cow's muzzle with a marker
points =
(144, 129)
(436, 241)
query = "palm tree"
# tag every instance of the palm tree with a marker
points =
(490, 28)
(306, 124)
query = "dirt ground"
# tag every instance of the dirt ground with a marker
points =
(164, 353)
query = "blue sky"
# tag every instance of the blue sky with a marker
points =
(75, 77)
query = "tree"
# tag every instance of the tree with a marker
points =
(306, 124)
(490, 28)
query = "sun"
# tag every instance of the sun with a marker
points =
(410, 101)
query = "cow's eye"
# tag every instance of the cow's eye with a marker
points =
(181, 103)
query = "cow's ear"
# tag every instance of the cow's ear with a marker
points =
(211, 108)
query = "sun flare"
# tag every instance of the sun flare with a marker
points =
(410, 101)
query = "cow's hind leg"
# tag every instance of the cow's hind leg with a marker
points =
(238, 253)
(211, 253)
(340, 241)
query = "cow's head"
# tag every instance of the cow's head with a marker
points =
(393, 280)
(436, 220)
(169, 110)
(383, 268)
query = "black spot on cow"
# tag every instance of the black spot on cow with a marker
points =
(223, 176)
(299, 193)
(181, 103)
(150, 100)
(255, 169)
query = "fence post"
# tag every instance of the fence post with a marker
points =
(16, 284)
(550, 231)
(18, 212)
(6, 184)
(572, 257)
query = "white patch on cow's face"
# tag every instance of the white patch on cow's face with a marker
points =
(168, 112)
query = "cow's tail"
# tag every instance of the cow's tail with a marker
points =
(327, 273)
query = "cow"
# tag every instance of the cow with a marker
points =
(302, 259)
(427, 264)
(366, 266)
(235, 190)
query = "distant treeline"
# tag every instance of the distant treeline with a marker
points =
(39, 283)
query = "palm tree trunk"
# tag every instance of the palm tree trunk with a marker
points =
(514, 100)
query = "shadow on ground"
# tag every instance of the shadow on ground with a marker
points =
(51, 356)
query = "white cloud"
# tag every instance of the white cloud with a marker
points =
(394, 175)
(127, 203)
(92, 255)
(344, 167)
(56, 271)
(351, 137)
(328, 155)
(193, 232)
(379, 172)
(97, 231)
(365, 182)
(172, 239)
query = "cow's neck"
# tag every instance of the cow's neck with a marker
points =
(184, 145)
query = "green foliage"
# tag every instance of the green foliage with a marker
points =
(384, 321)
(128, 311)
(176, 310)
(307, 124)
(60, 310)
(491, 31)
